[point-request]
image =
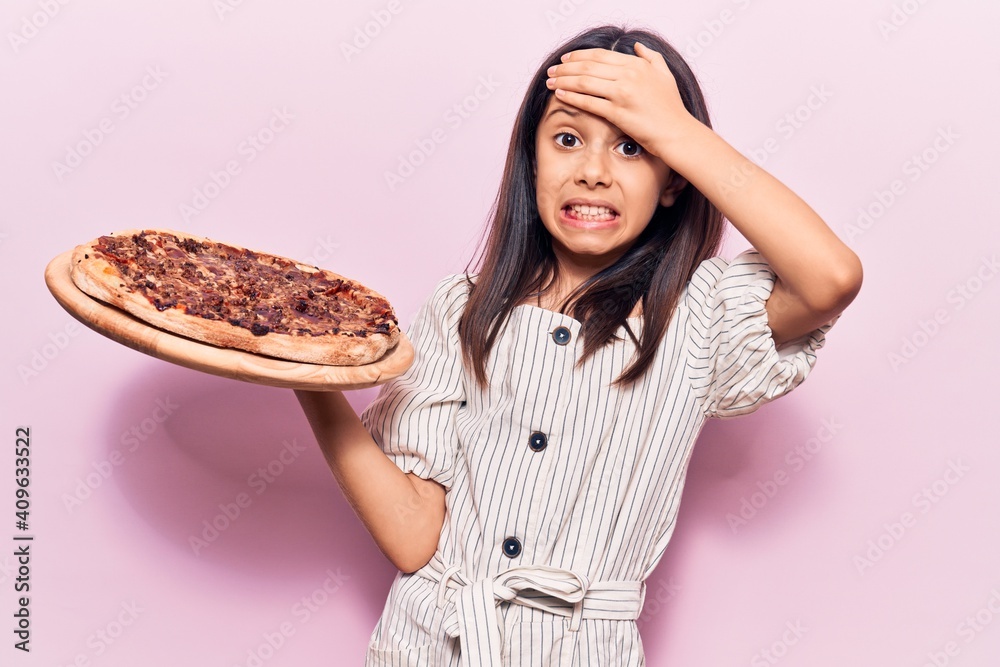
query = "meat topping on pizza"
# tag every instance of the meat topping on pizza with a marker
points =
(258, 292)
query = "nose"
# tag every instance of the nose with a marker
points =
(593, 168)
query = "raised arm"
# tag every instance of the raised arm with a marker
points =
(818, 275)
(403, 512)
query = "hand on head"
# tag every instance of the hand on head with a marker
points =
(638, 94)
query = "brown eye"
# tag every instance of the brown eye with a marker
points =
(630, 148)
(566, 140)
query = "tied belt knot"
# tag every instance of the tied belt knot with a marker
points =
(473, 617)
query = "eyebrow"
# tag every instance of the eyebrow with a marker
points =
(569, 112)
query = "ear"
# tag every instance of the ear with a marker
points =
(675, 183)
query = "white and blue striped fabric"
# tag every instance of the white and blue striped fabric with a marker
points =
(562, 490)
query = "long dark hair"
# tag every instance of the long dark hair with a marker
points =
(517, 257)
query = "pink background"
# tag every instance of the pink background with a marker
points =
(881, 429)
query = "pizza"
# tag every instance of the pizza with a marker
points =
(232, 297)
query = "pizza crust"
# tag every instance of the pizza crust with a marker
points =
(99, 278)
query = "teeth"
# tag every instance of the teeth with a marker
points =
(591, 210)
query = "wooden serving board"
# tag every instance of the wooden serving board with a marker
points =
(230, 363)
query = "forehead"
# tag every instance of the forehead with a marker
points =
(557, 112)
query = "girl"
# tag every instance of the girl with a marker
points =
(525, 473)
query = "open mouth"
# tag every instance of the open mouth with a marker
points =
(588, 213)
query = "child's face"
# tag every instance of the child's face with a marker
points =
(581, 158)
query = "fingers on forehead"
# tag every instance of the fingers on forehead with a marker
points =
(600, 55)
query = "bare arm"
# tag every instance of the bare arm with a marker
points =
(404, 513)
(818, 275)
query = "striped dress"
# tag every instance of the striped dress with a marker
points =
(562, 490)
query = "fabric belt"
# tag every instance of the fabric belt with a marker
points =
(473, 617)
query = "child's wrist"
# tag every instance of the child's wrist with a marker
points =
(678, 144)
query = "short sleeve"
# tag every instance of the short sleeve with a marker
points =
(413, 417)
(733, 364)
